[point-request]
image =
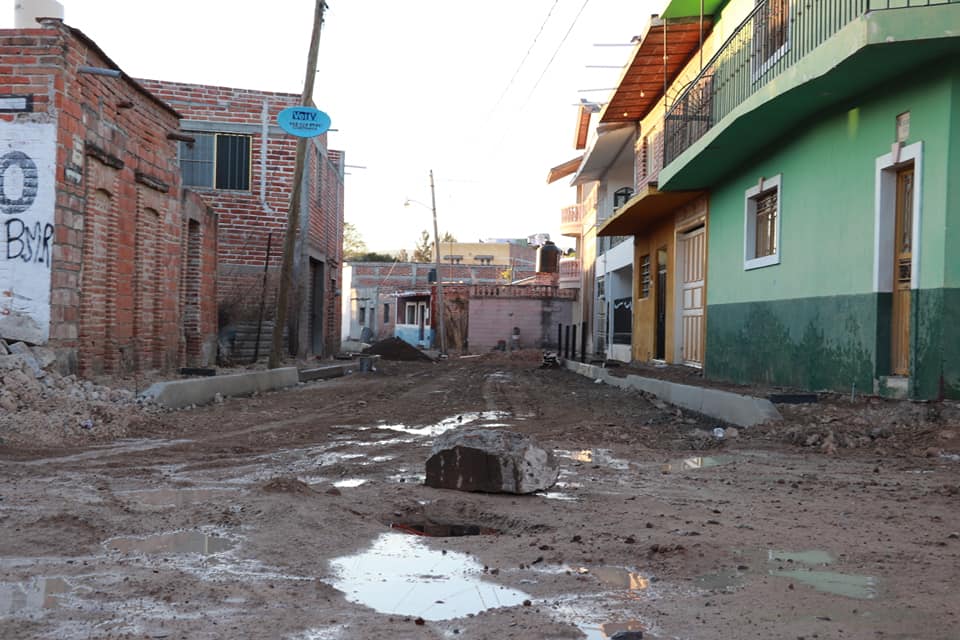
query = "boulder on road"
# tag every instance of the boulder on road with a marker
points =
(492, 461)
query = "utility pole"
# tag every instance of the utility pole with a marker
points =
(441, 309)
(289, 240)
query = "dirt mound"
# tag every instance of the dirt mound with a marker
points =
(396, 349)
(287, 485)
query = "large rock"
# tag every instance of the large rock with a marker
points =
(492, 461)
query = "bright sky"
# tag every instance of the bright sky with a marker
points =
(411, 85)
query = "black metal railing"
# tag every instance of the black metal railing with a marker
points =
(772, 38)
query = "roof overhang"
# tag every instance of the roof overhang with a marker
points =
(656, 60)
(583, 125)
(644, 209)
(605, 149)
(563, 170)
(692, 8)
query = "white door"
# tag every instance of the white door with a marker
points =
(692, 252)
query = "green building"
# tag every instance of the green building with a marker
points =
(827, 135)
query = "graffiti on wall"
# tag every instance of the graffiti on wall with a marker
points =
(27, 198)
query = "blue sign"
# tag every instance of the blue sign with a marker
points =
(303, 122)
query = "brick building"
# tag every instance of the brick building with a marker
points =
(104, 259)
(242, 164)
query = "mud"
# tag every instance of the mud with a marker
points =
(269, 517)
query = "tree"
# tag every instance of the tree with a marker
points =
(423, 252)
(447, 237)
(403, 256)
(353, 244)
(372, 256)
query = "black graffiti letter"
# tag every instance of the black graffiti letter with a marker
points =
(30, 180)
(14, 251)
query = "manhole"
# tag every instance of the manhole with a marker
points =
(434, 530)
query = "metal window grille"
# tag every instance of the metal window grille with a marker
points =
(216, 161)
(766, 224)
(196, 161)
(645, 276)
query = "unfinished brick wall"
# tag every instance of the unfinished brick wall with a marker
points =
(251, 221)
(198, 282)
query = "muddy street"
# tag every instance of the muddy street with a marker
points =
(296, 515)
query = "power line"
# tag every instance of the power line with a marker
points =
(555, 52)
(525, 57)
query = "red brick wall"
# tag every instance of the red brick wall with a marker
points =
(247, 219)
(198, 281)
(117, 217)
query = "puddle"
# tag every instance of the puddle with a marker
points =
(450, 423)
(410, 478)
(31, 596)
(174, 497)
(168, 543)
(333, 457)
(686, 464)
(432, 530)
(841, 584)
(609, 629)
(557, 495)
(350, 483)
(401, 575)
(805, 557)
(602, 457)
(618, 577)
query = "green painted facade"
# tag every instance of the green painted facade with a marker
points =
(816, 320)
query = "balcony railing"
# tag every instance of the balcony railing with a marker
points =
(571, 215)
(774, 37)
(570, 270)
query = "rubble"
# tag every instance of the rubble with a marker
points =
(396, 349)
(493, 461)
(39, 407)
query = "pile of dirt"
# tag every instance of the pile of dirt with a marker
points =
(287, 485)
(396, 349)
(40, 408)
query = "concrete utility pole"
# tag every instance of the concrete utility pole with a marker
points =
(289, 240)
(441, 309)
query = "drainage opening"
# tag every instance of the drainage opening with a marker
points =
(434, 530)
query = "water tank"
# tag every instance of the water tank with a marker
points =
(26, 12)
(548, 258)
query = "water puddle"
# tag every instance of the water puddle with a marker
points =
(174, 497)
(434, 530)
(600, 457)
(401, 575)
(172, 543)
(806, 557)
(720, 580)
(349, 483)
(408, 477)
(618, 578)
(841, 584)
(697, 462)
(558, 495)
(450, 423)
(609, 629)
(32, 596)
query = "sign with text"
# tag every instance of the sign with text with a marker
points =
(28, 153)
(303, 122)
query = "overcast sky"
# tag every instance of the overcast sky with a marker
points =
(410, 86)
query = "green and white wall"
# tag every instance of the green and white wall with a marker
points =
(817, 320)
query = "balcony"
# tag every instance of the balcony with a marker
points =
(569, 273)
(787, 60)
(571, 220)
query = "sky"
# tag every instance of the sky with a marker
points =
(483, 93)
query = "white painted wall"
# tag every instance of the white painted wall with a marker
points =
(27, 199)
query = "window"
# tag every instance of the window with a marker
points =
(771, 34)
(411, 310)
(363, 316)
(386, 314)
(484, 259)
(621, 197)
(762, 221)
(216, 161)
(645, 276)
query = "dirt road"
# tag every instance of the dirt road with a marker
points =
(270, 517)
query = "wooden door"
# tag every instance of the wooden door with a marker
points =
(692, 268)
(902, 272)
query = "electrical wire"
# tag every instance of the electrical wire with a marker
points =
(525, 57)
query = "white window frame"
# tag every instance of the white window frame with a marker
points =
(885, 195)
(750, 260)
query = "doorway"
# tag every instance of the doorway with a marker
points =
(316, 306)
(902, 272)
(660, 349)
(692, 261)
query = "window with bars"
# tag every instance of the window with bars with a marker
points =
(216, 161)
(645, 276)
(762, 225)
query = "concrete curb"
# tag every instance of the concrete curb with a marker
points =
(733, 408)
(177, 394)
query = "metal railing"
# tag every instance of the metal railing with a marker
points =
(772, 38)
